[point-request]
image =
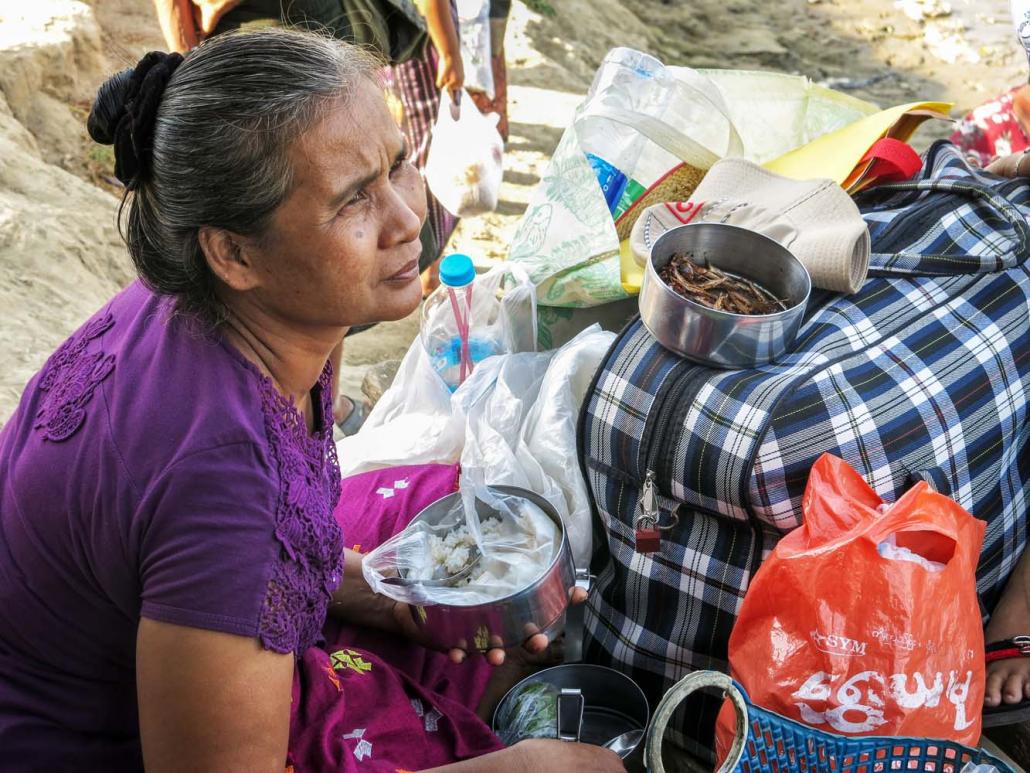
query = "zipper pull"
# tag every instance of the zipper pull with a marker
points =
(648, 503)
(647, 537)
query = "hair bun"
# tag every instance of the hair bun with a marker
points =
(109, 107)
(125, 111)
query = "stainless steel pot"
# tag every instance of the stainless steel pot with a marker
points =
(508, 621)
(590, 703)
(720, 338)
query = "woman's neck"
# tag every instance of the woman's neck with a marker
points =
(294, 360)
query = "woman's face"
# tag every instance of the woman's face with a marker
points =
(343, 248)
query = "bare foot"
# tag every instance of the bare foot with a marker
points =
(1008, 680)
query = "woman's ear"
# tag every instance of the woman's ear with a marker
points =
(227, 257)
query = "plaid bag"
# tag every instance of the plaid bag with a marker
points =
(922, 375)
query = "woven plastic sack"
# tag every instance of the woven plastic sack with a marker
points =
(865, 619)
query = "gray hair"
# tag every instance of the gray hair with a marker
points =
(220, 149)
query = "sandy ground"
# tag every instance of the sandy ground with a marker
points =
(880, 50)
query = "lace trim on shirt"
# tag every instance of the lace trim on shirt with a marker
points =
(310, 561)
(68, 380)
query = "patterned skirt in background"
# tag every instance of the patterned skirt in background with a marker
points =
(415, 81)
(992, 130)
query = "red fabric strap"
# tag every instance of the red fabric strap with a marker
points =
(893, 161)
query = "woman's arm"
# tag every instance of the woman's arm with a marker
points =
(185, 23)
(178, 25)
(450, 73)
(541, 756)
(211, 701)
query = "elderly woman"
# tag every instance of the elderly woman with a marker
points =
(168, 550)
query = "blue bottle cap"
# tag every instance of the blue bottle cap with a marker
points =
(457, 270)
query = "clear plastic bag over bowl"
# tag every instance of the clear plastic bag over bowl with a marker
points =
(519, 588)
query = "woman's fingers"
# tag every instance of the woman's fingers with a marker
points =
(536, 644)
(1015, 165)
(495, 655)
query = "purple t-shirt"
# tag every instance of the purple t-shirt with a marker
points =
(150, 470)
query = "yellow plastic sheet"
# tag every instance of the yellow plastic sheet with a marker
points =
(837, 154)
(632, 274)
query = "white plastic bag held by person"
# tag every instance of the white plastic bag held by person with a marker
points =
(465, 162)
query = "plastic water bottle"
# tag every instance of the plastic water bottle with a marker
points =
(624, 80)
(455, 328)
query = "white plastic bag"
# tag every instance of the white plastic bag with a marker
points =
(466, 159)
(474, 25)
(513, 422)
(567, 238)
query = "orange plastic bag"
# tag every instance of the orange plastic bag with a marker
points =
(864, 620)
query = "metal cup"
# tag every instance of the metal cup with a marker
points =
(721, 338)
(595, 704)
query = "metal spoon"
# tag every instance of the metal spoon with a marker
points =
(625, 743)
(464, 573)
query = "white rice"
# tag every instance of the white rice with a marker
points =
(450, 554)
(517, 550)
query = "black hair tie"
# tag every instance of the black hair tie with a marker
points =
(134, 131)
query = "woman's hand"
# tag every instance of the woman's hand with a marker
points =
(355, 602)
(450, 75)
(1016, 165)
(535, 645)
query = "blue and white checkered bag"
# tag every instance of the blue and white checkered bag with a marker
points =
(922, 375)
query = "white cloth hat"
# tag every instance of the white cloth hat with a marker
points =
(815, 219)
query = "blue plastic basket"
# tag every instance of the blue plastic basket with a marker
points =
(769, 743)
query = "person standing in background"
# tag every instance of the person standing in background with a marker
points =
(421, 81)
(394, 29)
